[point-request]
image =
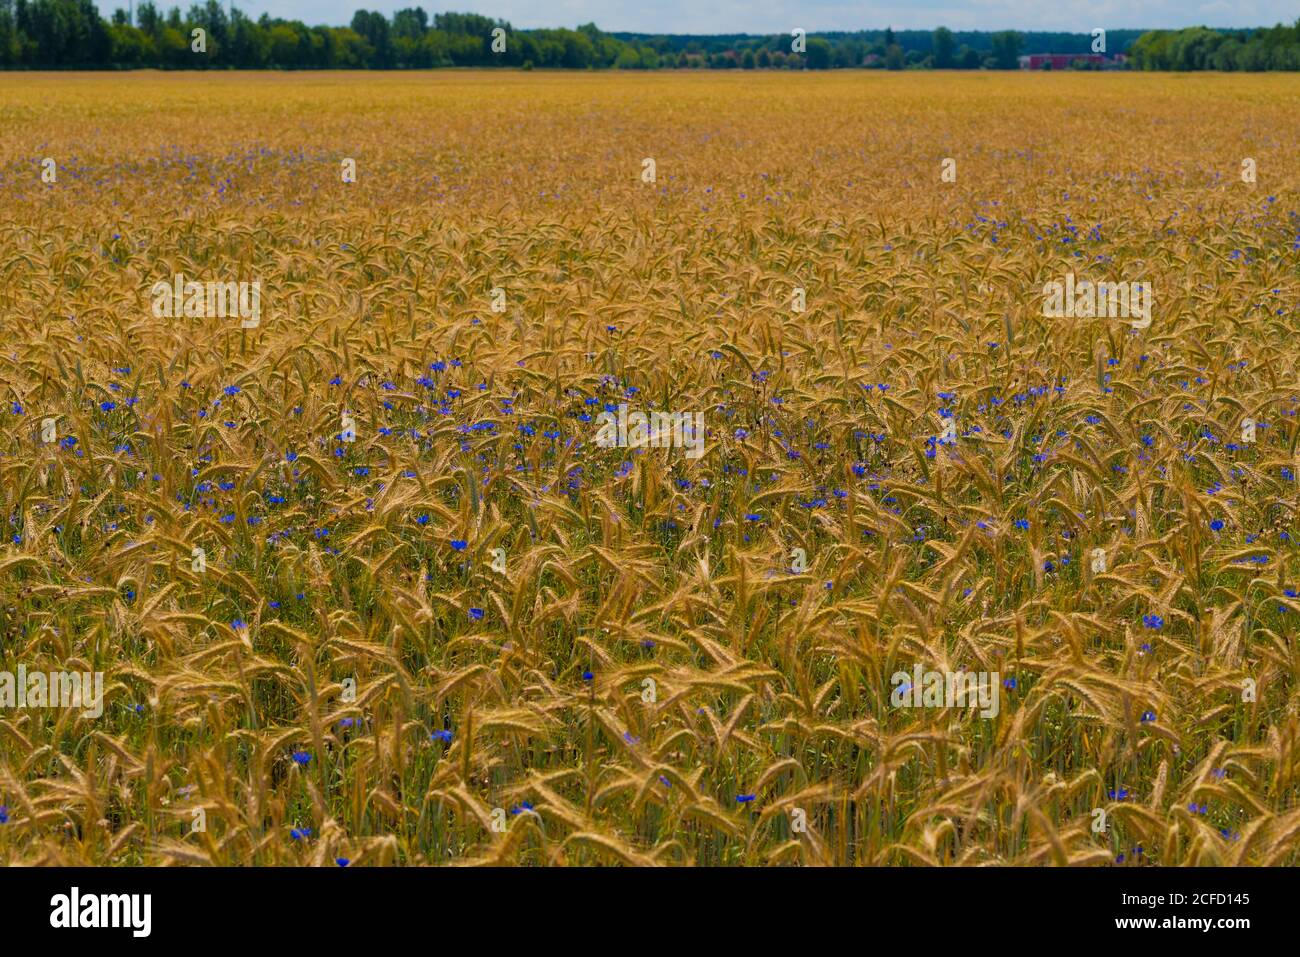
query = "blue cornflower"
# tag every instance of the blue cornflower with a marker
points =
(301, 758)
(476, 614)
(442, 734)
(458, 544)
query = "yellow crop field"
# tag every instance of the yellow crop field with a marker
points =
(888, 468)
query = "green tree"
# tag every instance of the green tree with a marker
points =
(284, 46)
(348, 48)
(252, 48)
(410, 23)
(818, 53)
(373, 27)
(211, 16)
(1006, 49)
(173, 48)
(146, 17)
(130, 47)
(579, 53)
(944, 46)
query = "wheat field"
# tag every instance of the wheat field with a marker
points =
(435, 622)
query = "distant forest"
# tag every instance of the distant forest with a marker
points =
(70, 34)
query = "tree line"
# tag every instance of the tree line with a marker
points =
(70, 34)
(1199, 48)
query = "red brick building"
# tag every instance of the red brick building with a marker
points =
(1063, 61)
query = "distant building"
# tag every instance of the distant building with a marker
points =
(1064, 61)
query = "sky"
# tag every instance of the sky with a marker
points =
(780, 16)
